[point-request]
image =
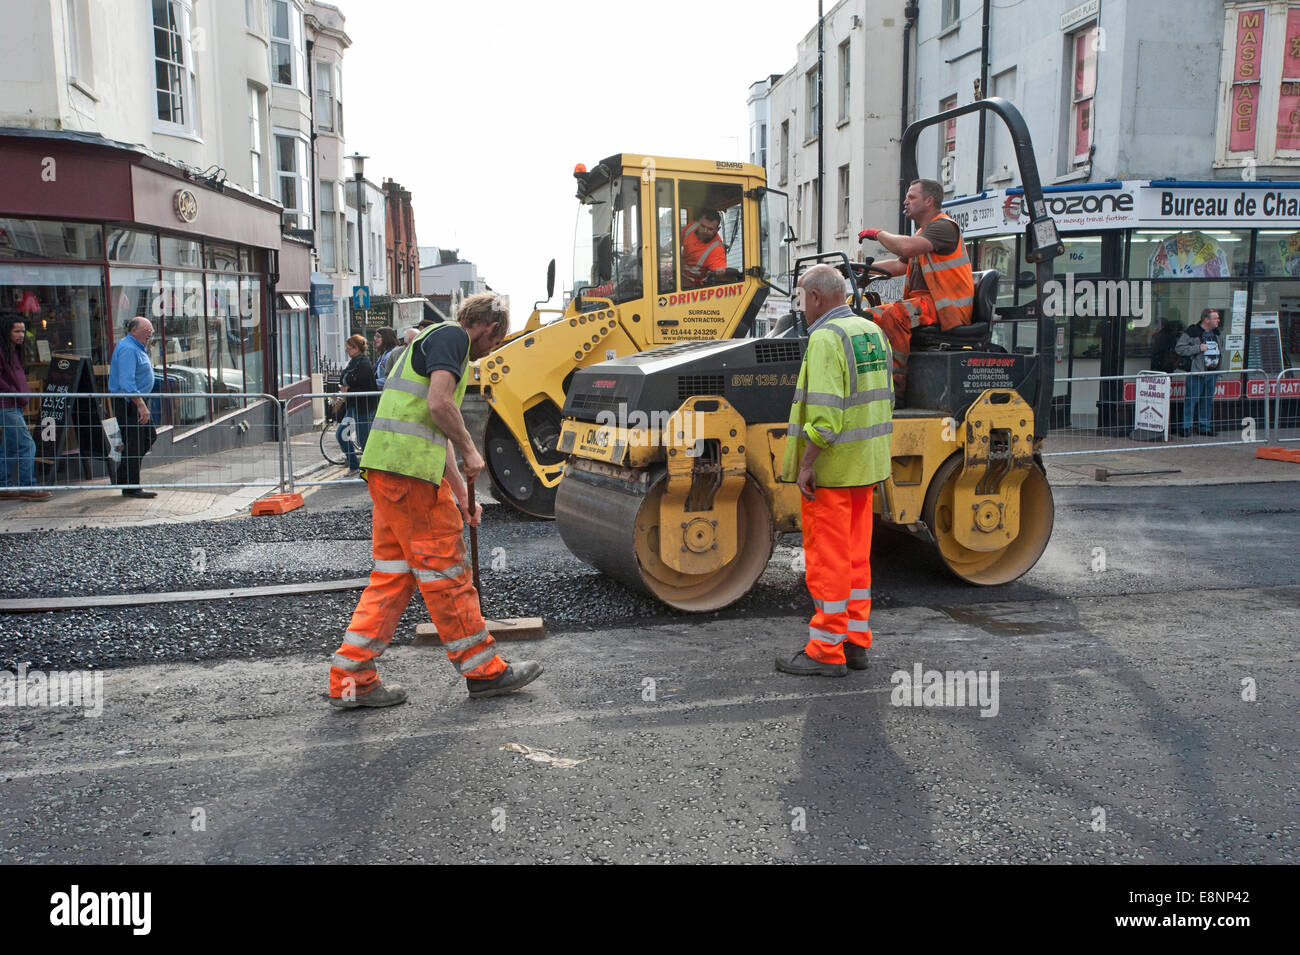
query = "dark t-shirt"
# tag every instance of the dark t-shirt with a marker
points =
(944, 236)
(443, 349)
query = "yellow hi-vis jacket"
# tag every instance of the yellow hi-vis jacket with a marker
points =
(403, 438)
(843, 402)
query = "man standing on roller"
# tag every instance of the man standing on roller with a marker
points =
(420, 500)
(940, 286)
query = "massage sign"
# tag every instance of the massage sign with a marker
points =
(1247, 57)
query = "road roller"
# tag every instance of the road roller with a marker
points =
(636, 288)
(672, 476)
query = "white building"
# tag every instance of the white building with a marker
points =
(444, 273)
(858, 184)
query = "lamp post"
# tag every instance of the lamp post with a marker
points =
(358, 174)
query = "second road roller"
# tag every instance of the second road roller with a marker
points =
(672, 476)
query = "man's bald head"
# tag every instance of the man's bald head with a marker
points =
(823, 289)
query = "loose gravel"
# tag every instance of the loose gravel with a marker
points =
(526, 571)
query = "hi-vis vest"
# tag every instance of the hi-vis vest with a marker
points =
(694, 272)
(403, 438)
(844, 403)
(949, 281)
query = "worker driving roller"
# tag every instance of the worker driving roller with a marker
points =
(939, 286)
(702, 250)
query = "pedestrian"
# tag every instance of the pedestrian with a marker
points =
(359, 408)
(17, 449)
(1162, 354)
(130, 378)
(420, 506)
(1202, 344)
(836, 449)
(385, 341)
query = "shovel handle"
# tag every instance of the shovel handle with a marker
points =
(473, 538)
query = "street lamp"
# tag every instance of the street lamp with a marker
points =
(358, 173)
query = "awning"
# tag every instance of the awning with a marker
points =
(290, 302)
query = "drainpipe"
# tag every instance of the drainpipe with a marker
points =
(984, 92)
(911, 12)
(821, 125)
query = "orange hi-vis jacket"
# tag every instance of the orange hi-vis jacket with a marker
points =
(698, 255)
(950, 284)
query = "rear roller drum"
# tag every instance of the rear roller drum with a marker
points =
(988, 568)
(614, 526)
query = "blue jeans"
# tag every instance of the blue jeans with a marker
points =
(362, 423)
(17, 445)
(1198, 403)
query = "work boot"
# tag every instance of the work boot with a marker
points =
(515, 676)
(855, 657)
(803, 665)
(34, 494)
(380, 696)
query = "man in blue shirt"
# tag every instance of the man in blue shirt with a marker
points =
(130, 378)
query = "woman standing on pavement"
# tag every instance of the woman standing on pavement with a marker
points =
(385, 342)
(359, 412)
(16, 445)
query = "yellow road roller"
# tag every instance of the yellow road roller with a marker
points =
(642, 287)
(674, 456)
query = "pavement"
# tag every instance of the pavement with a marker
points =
(101, 504)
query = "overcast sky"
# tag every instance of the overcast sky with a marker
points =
(482, 107)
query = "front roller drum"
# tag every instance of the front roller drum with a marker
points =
(989, 568)
(612, 523)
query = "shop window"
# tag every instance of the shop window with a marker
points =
(1277, 253)
(250, 334)
(39, 239)
(186, 253)
(1269, 300)
(220, 258)
(1197, 254)
(185, 354)
(288, 56)
(224, 331)
(174, 85)
(1083, 47)
(1180, 305)
(63, 309)
(132, 245)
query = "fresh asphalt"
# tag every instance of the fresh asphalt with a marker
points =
(1147, 688)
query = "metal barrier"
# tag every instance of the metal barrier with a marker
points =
(328, 427)
(77, 433)
(1286, 427)
(1099, 413)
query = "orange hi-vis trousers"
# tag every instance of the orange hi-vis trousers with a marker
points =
(896, 320)
(417, 539)
(837, 566)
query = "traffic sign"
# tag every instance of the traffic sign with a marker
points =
(360, 296)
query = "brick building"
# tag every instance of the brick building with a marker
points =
(402, 252)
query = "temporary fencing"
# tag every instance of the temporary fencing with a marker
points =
(1108, 414)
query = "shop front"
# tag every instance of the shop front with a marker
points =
(1141, 256)
(94, 233)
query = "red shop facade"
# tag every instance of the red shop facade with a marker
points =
(94, 233)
